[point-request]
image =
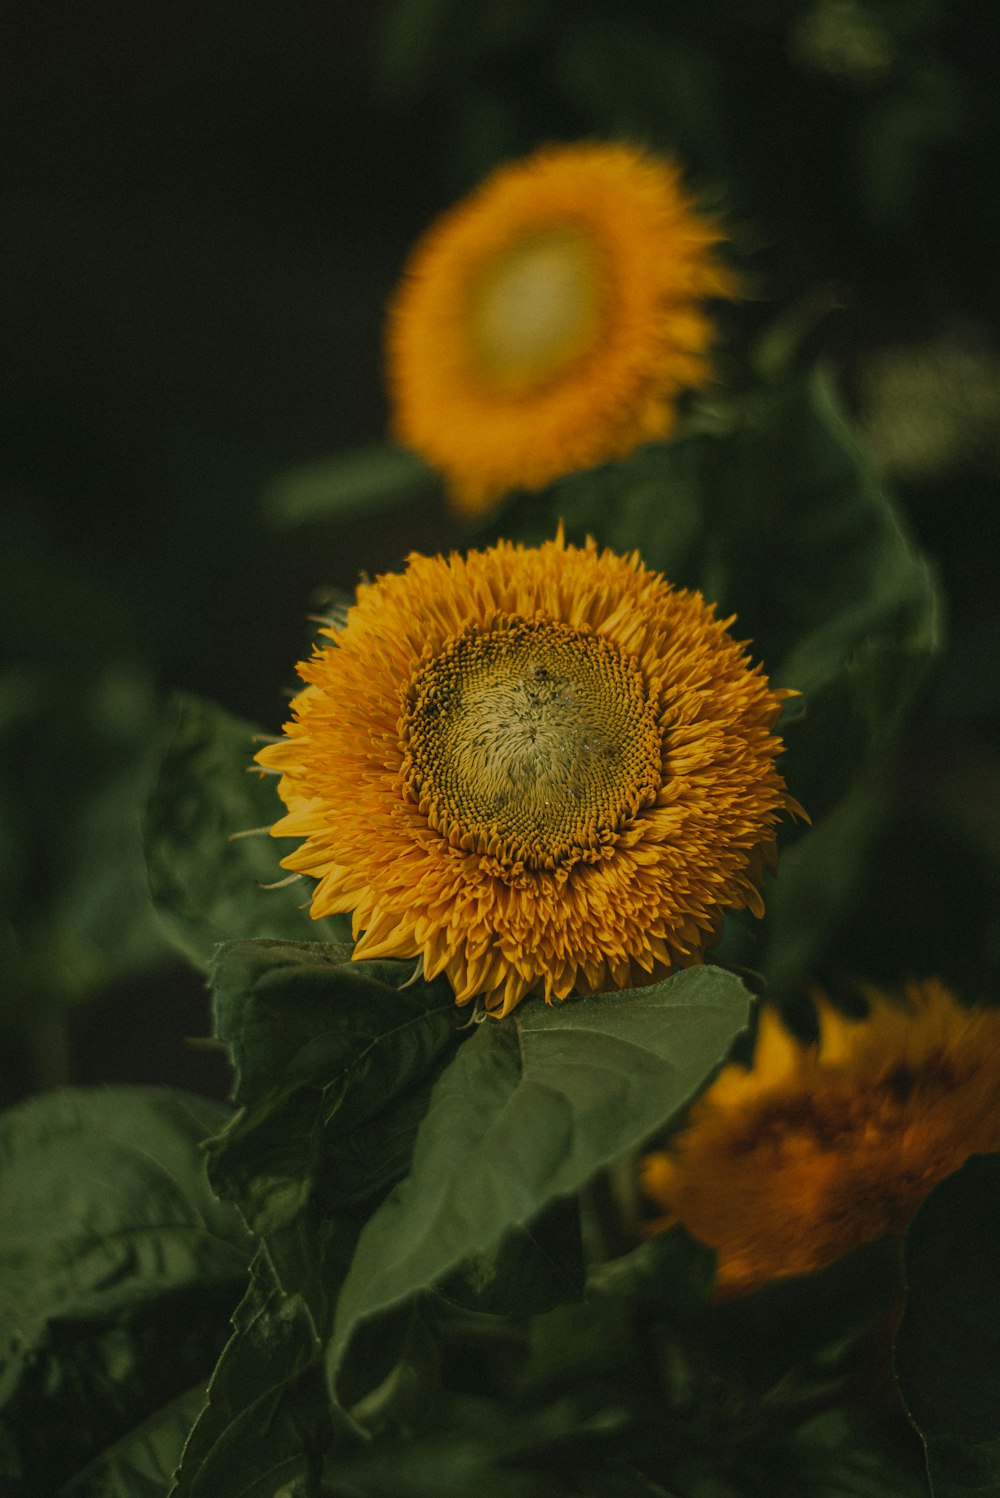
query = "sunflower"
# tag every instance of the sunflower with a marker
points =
(549, 321)
(536, 768)
(820, 1148)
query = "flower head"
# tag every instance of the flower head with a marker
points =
(549, 321)
(818, 1149)
(537, 768)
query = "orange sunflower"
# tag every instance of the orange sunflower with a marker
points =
(549, 321)
(537, 768)
(818, 1149)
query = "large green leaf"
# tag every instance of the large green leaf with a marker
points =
(322, 1047)
(334, 1062)
(266, 1421)
(143, 1462)
(527, 1112)
(207, 887)
(118, 1268)
(948, 1343)
(809, 552)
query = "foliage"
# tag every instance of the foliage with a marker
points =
(411, 1259)
(208, 881)
(450, 1287)
(119, 1268)
(264, 1418)
(528, 1113)
(946, 1345)
(60, 947)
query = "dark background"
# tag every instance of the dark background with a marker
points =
(205, 212)
(205, 208)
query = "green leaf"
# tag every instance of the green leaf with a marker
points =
(969, 684)
(118, 1268)
(322, 1047)
(948, 1343)
(397, 1405)
(487, 1448)
(531, 1269)
(805, 1338)
(266, 1420)
(527, 1112)
(76, 909)
(809, 552)
(207, 887)
(362, 483)
(817, 879)
(671, 1273)
(334, 1062)
(142, 1463)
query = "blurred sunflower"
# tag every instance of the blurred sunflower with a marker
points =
(818, 1149)
(537, 768)
(549, 321)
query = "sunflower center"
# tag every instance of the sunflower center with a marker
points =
(535, 308)
(531, 743)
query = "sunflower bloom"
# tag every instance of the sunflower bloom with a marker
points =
(818, 1149)
(537, 768)
(549, 321)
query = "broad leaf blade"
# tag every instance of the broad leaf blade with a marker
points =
(207, 887)
(948, 1343)
(142, 1464)
(265, 1422)
(323, 1049)
(118, 1269)
(527, 1112)
(300, 1013)
(334, 1063)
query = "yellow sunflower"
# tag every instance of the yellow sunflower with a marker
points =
(537, 768)
(818, 1149)
(549, 321)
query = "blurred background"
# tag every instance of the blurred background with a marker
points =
(205, 209)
